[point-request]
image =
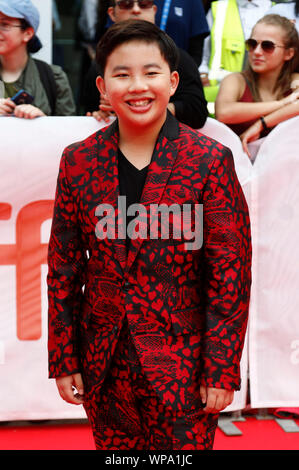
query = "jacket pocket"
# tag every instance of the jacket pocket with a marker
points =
(188, 320)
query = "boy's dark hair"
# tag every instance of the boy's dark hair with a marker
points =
(136, 30)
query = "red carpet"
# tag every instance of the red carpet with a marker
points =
(60, 435)
(258, 435)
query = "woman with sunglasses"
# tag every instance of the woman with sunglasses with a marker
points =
(46, 90)
(251, 103)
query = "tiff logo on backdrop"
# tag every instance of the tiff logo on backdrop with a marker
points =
(27, 255)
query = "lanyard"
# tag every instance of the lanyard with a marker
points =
(165, 14)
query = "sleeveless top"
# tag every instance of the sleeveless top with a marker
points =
(247, 97)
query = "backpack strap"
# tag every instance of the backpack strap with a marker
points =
(47, 78)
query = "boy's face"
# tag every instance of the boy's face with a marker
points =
(138, 83)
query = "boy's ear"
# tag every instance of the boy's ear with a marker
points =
(174, 81)
(100, 83)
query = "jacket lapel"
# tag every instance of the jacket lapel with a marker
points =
(108, 162)
(160, 168)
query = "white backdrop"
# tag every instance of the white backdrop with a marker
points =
(44, 31)
(274, 318)
(29, 167)
(226, 136)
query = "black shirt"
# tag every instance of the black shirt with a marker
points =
(131, 183)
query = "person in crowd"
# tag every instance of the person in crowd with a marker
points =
(206, 5)
(92, 22)
(252, 102)
(187, 104)
(230, 22)
(289, 10)
(46, 88)
(91, 25)
(153, 349)
(185, 22)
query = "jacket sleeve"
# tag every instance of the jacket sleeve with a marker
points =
(65, 104)
(66, 261)
(190, 103)
(227, 276)
(196, 47)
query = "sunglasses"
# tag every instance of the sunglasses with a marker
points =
(128, 4)
(267, 46)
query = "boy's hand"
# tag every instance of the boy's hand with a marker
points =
(216, 399)
(66, 387)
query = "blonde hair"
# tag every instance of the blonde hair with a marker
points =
(291, 40)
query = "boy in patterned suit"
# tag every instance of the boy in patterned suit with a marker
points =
(153, 342)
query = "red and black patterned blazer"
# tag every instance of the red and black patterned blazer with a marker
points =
(186, 309)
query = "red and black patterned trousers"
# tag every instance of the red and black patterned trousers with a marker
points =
(130, 415)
